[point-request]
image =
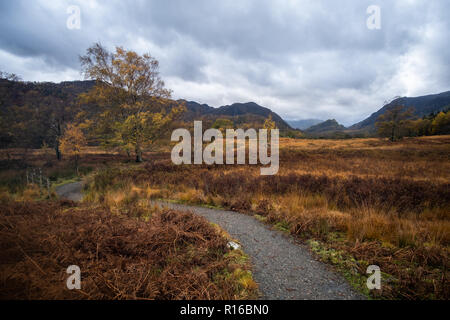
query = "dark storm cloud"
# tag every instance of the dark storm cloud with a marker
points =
(301, 58)
(29, 30)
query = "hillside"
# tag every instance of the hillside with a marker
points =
(330, 125)
(241, 114)
(17, 92)
(423, 105)
(32, 113)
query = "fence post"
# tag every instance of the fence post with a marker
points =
(48, 188)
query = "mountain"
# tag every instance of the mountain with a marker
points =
(423, 105)
(43, 108)
(327, 126)
(19, 93)
(303, 124)
(240, 113)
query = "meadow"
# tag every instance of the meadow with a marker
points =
(134, 250)
(355, 202)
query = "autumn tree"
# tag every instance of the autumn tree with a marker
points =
(136, 108)
(72, 142)
(269, 124)
(393, 121)
(441, 123)
(56, 114)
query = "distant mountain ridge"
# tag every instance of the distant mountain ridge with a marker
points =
(244, 115)
(423, 105)
(238, 112)
(43, 108)
(18, 93)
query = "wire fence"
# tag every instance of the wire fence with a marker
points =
(35, 176)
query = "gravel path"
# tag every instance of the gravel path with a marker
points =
(71, 191)
(283, 269)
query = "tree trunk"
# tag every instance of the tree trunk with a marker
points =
(138, 153)
(58, 135)
(58, 153)
(76, 166)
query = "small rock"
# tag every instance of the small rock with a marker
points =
(233, 245)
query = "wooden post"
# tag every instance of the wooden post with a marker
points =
(48, 188)
(40, 178)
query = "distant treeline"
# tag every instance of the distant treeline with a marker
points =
(433, 124)
(395, 124)
(398, 122)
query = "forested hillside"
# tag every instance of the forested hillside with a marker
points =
(33, 114)
(421, 106)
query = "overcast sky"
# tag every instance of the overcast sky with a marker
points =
(302, 59)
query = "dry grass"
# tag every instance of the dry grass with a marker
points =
(377, 202)
(374, 201)
(172, 255)
(425, 158)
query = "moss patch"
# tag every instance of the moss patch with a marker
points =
(344, 263)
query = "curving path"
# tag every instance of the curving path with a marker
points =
(283, 269)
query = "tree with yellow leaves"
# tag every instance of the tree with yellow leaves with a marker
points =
(269, 124)
(136, 106)
(441, 123)
(72, 142)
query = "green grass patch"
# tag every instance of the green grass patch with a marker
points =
(344, 263)
(260, 218)
(283, 226)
